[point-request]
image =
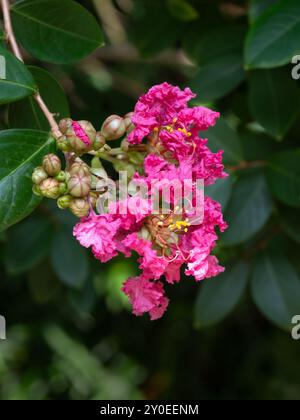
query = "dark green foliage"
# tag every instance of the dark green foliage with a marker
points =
(70, 334)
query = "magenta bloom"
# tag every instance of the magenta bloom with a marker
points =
(165, 242)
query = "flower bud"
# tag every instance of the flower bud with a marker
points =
(50, 188)
(39, 175)
(64, 125)
(99, 142)
(62, 144)
(81, 136)
(80, 207)
(52, 164)
(61, 176)
(64, 202)
(62, 188)
(113, 127)
(129, 126)
(80, 168)
(79, 186)
(36, 191)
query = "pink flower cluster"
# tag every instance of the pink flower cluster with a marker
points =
(164, 242)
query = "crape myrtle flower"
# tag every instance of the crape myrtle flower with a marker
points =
(166, 242)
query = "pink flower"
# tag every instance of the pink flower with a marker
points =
(98, 233)
(146, 296)
(157, 107)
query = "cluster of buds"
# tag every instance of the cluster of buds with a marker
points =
(81, 137)
(71, 188)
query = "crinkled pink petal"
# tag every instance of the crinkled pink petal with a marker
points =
(146, 296)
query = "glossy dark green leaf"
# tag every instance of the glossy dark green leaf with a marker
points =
(221, 191)
(284, 177)
(279, 105)
(218, 42)
(218, 77)
(275, 37)
(249, 209)
(276, 289)
(18, 82)
(27, 114)
(20, 152)
(69, 259)
(28, 243)
(257, 7)
(219, 296)
(223, 137)
(58, 31)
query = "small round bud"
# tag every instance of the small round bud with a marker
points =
(64, 202)
(80, 168)
(39, 175)
(62, 188)
(80, 207)
(129, 126)
(50, 188)
(36, 191)
(79, 186)
(52, 164)
(64, 125)
(99, 142)
(61, 177)
(113, 127)
(62, 144)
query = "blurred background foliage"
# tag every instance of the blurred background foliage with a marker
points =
(70, 334)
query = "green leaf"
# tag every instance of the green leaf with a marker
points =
(276, 289)
(220, 295)
(221, 191)
(28, 243)
(57, 31)
(279, 106)
(218, 42)
(223, 137)
(275, 37)
(257, 7)
(69, 259)
(182, 10)
(290, 222)
(18, 82)
(284, 177)
(20, 152)
(249, 209)
(218, 77)
(27, 114)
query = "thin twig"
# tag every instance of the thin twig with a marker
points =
(17, 52)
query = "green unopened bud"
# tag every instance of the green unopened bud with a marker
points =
(96, 163)
(61, 177)
(62, 144)
(36, 191)
(64, 125)
(79, 186)
(39, 175)
(129, 126)
(113, 127)
(80, 207)
(50, 188)
(99, 142)
(64, 202)
(79, 168)
(52, 164)
(62, 188)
